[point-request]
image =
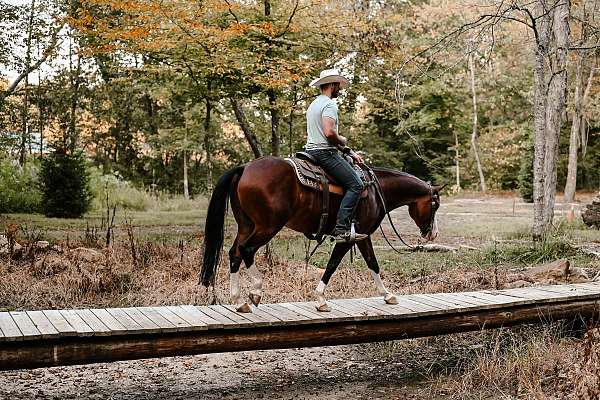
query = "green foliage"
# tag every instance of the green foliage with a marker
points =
(121, 193)
(18, 187)
(526, 172)
(64, 180)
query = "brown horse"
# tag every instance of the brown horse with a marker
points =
(266, 196)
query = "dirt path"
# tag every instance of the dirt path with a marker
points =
(325, 373)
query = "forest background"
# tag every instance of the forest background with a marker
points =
(164, 96)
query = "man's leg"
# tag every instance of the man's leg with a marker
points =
(336, 166)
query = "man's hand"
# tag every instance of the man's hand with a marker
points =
(356, 157)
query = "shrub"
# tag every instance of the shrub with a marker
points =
(64, 180)
(19, 192)
(121, 193)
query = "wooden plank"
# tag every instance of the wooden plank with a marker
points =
(418, 305)
(356, 314)
(43, 324)
(195, 322)
(539, 296)
(232, 315)
(141, 319)
(336, 312)
(287, 316)
(271, 319)
(93, 322)
(570, 290)
(314, 315)
(26, 326)
(173, 318)
(77, 323)
(469, 302)
(595, 286)
(60, 323)
(393, 310)
(158, 319)
(9, 328)
(259, 318)
(116, 328)
(365, 311)
(211, 323)
(451, 300)
(223, 320)
(498, 298)
(125, 320)
(443, 305)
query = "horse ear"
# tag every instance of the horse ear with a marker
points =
(439, 188)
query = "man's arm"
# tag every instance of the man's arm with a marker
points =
(331, 134)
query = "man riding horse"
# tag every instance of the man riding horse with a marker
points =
(266, 195)
(324, 143)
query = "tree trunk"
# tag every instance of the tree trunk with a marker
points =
(539, 118)
(25, 111)
(474, 132)
(207, 147)
(579, 103)
(275, 140)
(571, 184)
(250, 136)
(47, 52)
(555, 106)
(457, 161)
(186, 192)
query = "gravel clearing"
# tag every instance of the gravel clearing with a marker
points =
(343, 372)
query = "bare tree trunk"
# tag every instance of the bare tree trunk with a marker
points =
(250, 136)
(457, 160)
(539, 117)
(579, 103)
(586, 94)
(474, 133)
(186, 191)
(557, 96)
(571, 184)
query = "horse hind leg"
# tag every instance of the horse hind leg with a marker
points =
(235, 260)
(248, 250)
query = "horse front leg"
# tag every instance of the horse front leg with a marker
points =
(366, 249)
(338, 253)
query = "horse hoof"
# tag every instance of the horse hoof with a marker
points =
(323, 308)
(255, 298)
(390, 299)
(244, 308)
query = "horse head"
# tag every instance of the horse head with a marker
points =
(423, 210)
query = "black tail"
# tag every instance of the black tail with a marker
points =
(215, 221)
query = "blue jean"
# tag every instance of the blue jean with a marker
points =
(335, 165)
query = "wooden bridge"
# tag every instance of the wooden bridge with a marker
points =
(30, 339)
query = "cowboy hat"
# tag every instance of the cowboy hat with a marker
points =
(328, 76)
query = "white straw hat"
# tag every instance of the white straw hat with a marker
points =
(328, 76)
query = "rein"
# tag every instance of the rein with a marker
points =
(380, 193)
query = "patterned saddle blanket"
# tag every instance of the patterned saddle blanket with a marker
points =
(312, 176)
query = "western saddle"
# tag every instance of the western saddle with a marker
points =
(312, 176)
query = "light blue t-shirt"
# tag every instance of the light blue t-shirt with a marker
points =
(321, 107)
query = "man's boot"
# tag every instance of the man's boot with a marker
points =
(342, 235)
